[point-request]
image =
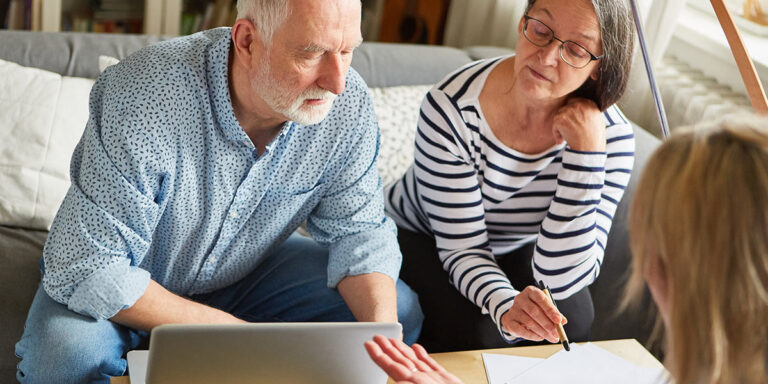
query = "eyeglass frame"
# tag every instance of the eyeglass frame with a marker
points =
(562, 43)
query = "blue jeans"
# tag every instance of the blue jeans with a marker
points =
(61, 346)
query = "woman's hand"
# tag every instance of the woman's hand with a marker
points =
(581, 125)
(406, 365)
(533, 316)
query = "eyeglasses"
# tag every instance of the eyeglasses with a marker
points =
(540, 35)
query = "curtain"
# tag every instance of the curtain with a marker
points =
(659, 19)
(483, 22)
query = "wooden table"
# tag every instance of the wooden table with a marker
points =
(468, 365)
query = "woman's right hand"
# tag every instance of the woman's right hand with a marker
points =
(533, 316)
(407, 365)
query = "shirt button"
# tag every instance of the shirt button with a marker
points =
(212, 259)
(233, 214)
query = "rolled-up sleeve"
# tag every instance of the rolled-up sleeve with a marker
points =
(104, 226)
(350, 218)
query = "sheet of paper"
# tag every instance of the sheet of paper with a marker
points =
(499, 368)
(137, 366)
(587, 364)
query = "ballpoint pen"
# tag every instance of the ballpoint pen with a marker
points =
(560, 330)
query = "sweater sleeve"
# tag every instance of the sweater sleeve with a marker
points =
(571, 243)
(449, 193)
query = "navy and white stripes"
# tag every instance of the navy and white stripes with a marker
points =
(480, 198)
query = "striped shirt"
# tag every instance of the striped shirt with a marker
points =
(480, 198)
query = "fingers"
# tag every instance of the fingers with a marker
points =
(521, 330)
(411, 355)
(556, 133)
(539, 308)
(533, 316)
(427, 359)
(392, 368)
(391, 349)
(544, 303)
(406, 365)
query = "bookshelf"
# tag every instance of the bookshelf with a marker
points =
(153, 17)
(126, 16)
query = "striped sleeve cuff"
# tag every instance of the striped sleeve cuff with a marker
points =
(499, 304)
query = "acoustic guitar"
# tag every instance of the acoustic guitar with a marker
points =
(413, 21)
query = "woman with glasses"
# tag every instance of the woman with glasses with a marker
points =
(520, 163)
(699, 238)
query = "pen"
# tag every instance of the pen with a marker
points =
(560, 330)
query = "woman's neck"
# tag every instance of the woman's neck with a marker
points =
(523, 112)
(527, 114)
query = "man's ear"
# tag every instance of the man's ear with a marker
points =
(520, 26)
(247, 42)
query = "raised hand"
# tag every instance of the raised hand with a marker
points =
(407, 365)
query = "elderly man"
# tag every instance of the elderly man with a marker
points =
(201, 157)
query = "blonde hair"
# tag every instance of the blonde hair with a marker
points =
(701, 209)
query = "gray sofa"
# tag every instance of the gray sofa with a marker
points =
(381, 65)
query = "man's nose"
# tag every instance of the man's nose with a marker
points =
(334, 73)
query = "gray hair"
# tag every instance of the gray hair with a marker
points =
(266, 15)
(617, 35)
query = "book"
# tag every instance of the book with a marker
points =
(16, 14)
(4, 5)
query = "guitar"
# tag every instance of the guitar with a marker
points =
(414, 21)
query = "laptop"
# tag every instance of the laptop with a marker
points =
(278, 353)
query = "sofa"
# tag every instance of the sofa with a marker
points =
(398, 75)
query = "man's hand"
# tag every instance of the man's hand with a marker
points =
(406, 365)
(159, 306)
(581, 125)
(533, 316)
(370, 297)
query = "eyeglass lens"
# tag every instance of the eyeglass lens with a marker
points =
(541, 35)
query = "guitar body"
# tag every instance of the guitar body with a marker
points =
(413, 21)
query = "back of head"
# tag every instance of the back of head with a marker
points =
(701, 208)
(617, 35)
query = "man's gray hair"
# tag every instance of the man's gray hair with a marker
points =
(617, 34)
(266, 15)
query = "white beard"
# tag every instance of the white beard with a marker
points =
(275, 93)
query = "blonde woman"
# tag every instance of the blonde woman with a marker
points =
(699, 225)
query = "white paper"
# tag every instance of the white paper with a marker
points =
(137, 366)
(585, 364)
(499, 368)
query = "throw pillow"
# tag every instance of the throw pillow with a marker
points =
(106, 61)
(42, 116)
(397, 109)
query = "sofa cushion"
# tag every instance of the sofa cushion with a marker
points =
(392, 64)
(20, 252)
(42, 116)
(397, 109)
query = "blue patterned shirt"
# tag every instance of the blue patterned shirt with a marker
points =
(166, 185)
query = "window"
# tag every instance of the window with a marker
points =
(699, 40)
(750, 15)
